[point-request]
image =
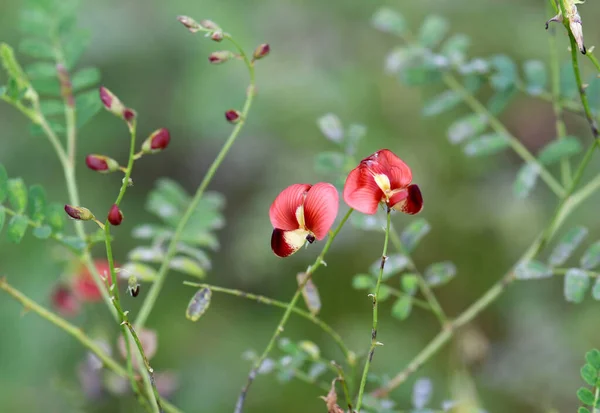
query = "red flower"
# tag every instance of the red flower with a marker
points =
(301, 213)
(84, 285)
(382, 177)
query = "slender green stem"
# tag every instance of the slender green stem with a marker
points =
(270, 301)
(593, 60)
(563, 271)
(498, 127)
(311, 270)
(432, 301)
(374, 342)
(154, 291)
(342, 378)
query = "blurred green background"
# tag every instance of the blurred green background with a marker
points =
(326, 57)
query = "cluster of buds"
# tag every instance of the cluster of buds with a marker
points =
(115, 216)
(116, 107)
(211, 28)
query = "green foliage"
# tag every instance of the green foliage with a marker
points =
(567, 245)
(560, 149)
(536, 77)
(526, 180)
(440, 273)
(577, 283)
(589, 374)
(402, 307)
(489, 144)
(433, 31)
(591, 257)
(168, 201)
(467, 127)
(532, 270)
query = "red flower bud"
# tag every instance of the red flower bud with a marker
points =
(115, 216)
(191, 24)
(233, 116)
(217, 36)
(261, 51)
(101, 163)
(114, 105)
(220, 56)
(209, 24)
(157, 141)
(64, 301)
(79, 213)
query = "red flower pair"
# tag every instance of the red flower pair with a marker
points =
(302, 212)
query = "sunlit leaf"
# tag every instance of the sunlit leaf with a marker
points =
(536, 77)
(141, 271)
(591, 257)
(41, 69)
(74, 243)
(52, 107)
(414, 233)
(363, 282)
(559, 149)
(455, 48)
(55, 216)
(331, 127)
(441, 103)
(532, 270)
(583, 410)
(316, 370)
(310, 294)
(74, 45)
(46, 86)
(310, 348)
(16, 228)
(198, 304)
(432, 31)
(526, 180)
(42, 232)
(422, 392)
(86, 78)
(390, 21)
(567, 245)
(467, 127)
(3, 184)
(402, 307)
(593, 358)
(197, 254)
(57, 127)
(187, 266)
(440, 273)
(585, 396)
(568, 83)
(385, 292)
(17, 195)
(394, 264)
(147, 254)
(577, 283)
(486, 145)
(37, 203)
(589, 374)
(505, 75)
(35, 21)
(410, 283)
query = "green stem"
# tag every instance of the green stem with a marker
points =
(563, 271)
(154, 291)
(499, 128)
(311, 270)
(270, 301)
(593, 60)
(374, 342)
(432, 301)
(342, 378)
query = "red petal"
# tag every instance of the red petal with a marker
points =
(361, 192)
(396, 170)
(283, 209)
(285, 243)
(320, 209)
(409, 201)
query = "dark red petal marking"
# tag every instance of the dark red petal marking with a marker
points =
(361, 191)
(413, 203)
(320, 209)
(280, 246)
(283, 210)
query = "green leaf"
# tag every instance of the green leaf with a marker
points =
(402, 307)
(331, 127)
(88, 105)
(536, 77)
(568, 83)
(596, 290)
(389, 21)
(37, 48)
(52, 107)
(385, 292)
(41, 69)
(593, 358)
(86, 78)
(526, 180)
(590, 258)
(414, 233)
(198, 304)
(467, 127)
(500, 100)
(506, 72)
(37, 203)
(310, 294)
(329, 163)
(46, 86)
(577, 282)
(583, 410)
(394, 264)
(559, 149)
(2, 217)
(3, 183)
(486, 145)
(585, 396)
(567, 245)
(410, 283)
(74, 45)
(589, 374)
(440, 273)
(455, 48)
(433, 30)
(441, 103)
(17, 194)
(532, 270)
(187, 266)
(55, 216)
(42, 232)
(12, 67)
(363, 282)
(17, 226)
(35, 21)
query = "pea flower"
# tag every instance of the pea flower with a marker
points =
(382, 177)
(302, 213)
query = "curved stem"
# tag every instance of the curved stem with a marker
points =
(374, 342)
(270, 301)
(318, 262)
(172, 248)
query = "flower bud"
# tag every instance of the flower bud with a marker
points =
(115, 216)
(64, 301)
(101, 163)
(220, 56)
(233, 116)
(157, 141)
(114, 105)
(79, 213)
(133, 286)
(209, 24)
(217, 36)
(577, 30)
(261, 51)
(191, 24)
